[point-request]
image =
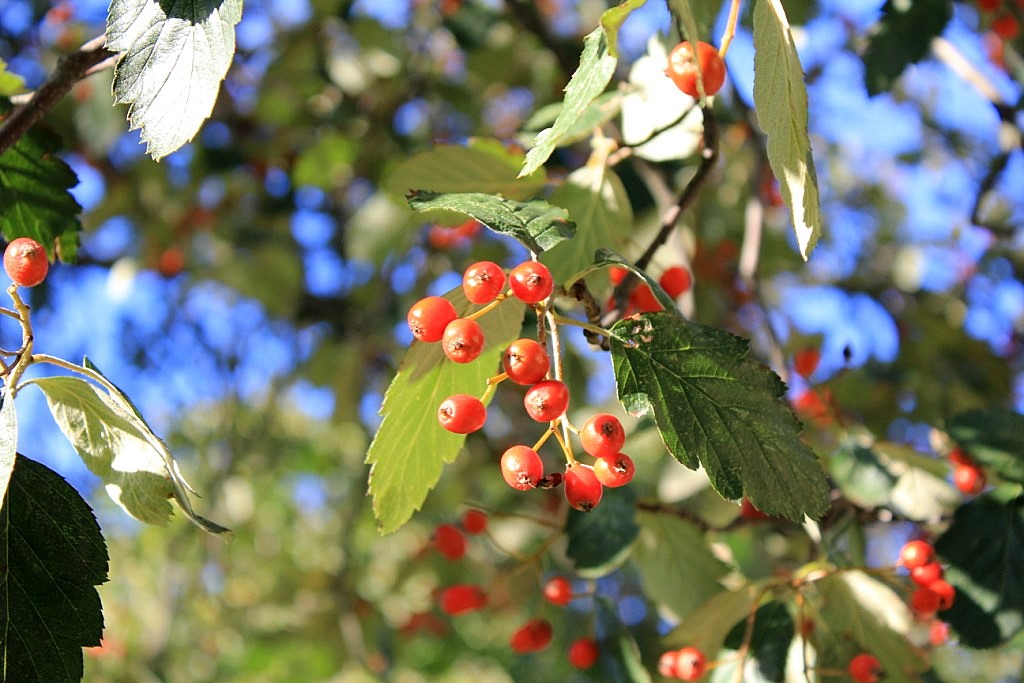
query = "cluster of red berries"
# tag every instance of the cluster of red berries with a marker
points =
(968, 477)
(933, 593)
(448, 237)
(25, 262)
(865, 668)
(675, 280)
(525, 362)
(1004, 20)
(683, 61)
(685, 664)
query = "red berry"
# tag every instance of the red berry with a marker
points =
(805, 361)
(526, 361)
(690, 664)
(925, 601)
(865, 668)
(750, 512)
(676, 280)
(614, 471)
(558, 591)
(583, 653)
(582, 488)
(429, 317)
(25, 262)
(959, 456)
(682, 68)
(483, 282)
(462, 413)
(642, 298)
(617, 274)
(968, 479)
(462, 598)
(668, 664)
(546, 400)
(474, 521)
(916, 554)
(531, 282)
(602, 435)
(1006, 26)
(449, 541)
(989, 5)
(926, 573)
(463, 340)
(532, 636)
(938, 633)
(521, 467)
(945, 591)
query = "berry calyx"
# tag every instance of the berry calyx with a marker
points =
(429, 317)
(526, 361)
(474, 521)
(531, 282)
(615, 470)
(916, 553)
(865, 668)
(558, 591)
(582, 488)
(546, 400)
(676, 280)
(532, 636)
(483, 281)
(602, 435)
(462, 598)
(583, 653)
(25, 262)
(463, 340)
(690, 664)
(462, 413)
(682, 68)
(521, 467)
(449, 541)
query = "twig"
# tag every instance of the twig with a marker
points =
(70, 69)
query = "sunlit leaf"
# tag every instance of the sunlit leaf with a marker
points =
(860, 475)
(708, 626)
(8, 441)
(716, 407)
(175, 55)
(52, 556)
(410, 448)
(591, 78)
(10, 83)
(612, 20)
(780, 97)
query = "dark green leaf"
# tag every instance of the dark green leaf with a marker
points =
(768, 640)
(902, 37)
(536, 224)
(620, 659)
(34, 197)
(52, 556)
(985, 550)
(716, 407)
(994, 437)
(591, 78)
(600, 539)
(175, 55)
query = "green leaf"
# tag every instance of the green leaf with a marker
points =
(539, 226)
(679, 572)
(599, 206)
(606, 258)
(853, 613)
(708, 626)
(484, 166)
(410, 448)
(861, 476)
(993, 437)
(175, 55)
(8, 441)
(591, 78)
(984, 547)
(52, 555)
(10, 83)
(613, 19)
(599, 540)
(715, 406)
(34, 197)
(327, 162)
(903, 36)
(619, 658)
(780, 98)
(768, 642)
(599, 112)
(105, 429)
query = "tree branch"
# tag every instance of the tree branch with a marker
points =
(70, 69)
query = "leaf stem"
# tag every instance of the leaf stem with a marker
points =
(590, 327)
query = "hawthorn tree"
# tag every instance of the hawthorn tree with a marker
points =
(521, 341)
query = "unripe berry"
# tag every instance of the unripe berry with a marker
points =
(682, 68)
(615, 470)
(450, 542)
(483, 282)
(521, 467)
(532, 636)
(429, 317)
(25, 262)
(526, 361)
(463, 340)
(462, 413)
(531, 282)
(583, 653)
(916, 553)
(546, 400)
(602, 435)
(582, 488)
(558, 591)
(865, 668)
(462, 598)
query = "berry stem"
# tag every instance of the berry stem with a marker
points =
(570, 459)
(556, 352)
(24, 356)
(544, 437)
(730, 27)
(489, 307)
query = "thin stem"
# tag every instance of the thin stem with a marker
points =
(730, 27)
(24, 355)
(570, 459)
(595, 329)
(544, 437)
(489, 307)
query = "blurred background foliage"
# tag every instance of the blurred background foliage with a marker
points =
(249, 293)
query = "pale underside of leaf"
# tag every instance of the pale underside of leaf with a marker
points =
(780, 97)
(175, 54)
